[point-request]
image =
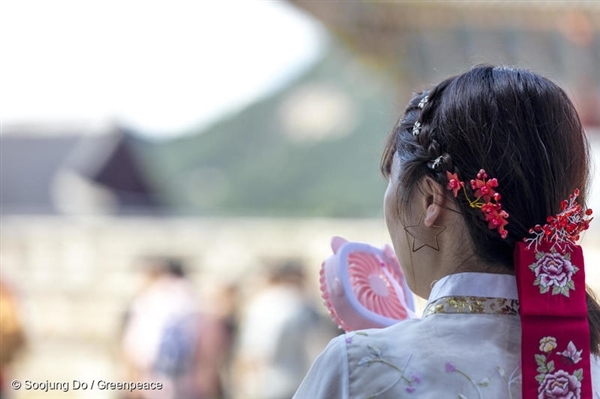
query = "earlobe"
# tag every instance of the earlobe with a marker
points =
(435, 199)
(432, 214)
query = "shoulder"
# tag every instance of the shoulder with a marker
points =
(328, 375)
(359, 342)
(430, 356)
(433, 355)
(343, 366)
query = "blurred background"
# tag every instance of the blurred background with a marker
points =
(195, 158)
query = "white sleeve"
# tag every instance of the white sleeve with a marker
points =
(328, 375)
(595, 369)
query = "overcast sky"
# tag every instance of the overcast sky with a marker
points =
(159, 66)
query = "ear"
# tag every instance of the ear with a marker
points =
(433, 201)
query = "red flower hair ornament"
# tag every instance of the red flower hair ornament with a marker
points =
(487, 199)
(563, 230)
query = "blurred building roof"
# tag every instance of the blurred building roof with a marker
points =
(310, 149)
(50, 169)
(423, 42)
(387, 18)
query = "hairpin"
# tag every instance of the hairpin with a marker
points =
(487, 199)
(416, 128)
(562, 231)
(436, 162)
(423, 101)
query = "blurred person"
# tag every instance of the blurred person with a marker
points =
(166, 337)
(12, 335)
(280, 334)
(487, 179)
(226, 309)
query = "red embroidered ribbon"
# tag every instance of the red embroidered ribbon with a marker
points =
(555, 345)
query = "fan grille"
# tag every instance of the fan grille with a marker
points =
(372, 287)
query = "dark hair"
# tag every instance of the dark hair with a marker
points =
(518, 126)
(164, 264)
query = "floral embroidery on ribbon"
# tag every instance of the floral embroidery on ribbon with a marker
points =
(554, 270)
(572, 353)
(547, 344)
(556, 252)
(557, 384)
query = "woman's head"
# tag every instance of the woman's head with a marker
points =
(517, 125)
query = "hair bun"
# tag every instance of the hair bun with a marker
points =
(434, 150)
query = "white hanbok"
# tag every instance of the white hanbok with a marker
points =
(466, 345)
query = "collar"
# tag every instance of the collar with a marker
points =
(474, 293)
(475, 284)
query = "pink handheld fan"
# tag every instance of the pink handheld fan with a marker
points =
(364, 287)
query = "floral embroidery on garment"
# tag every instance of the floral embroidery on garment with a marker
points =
(451, 368)
(557, 384)
(401, 377)
(350, 336)
(514, 378)
(376, 356)
(554, 270)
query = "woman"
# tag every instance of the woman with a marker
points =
(476, 167)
